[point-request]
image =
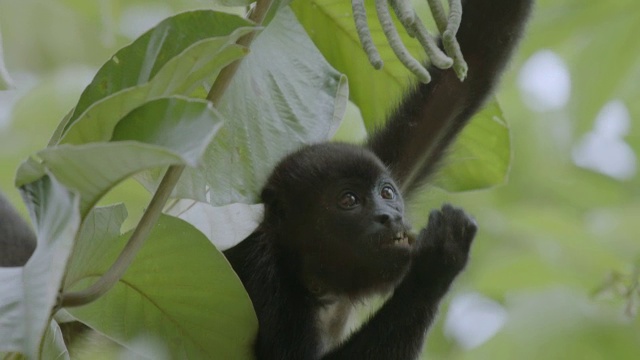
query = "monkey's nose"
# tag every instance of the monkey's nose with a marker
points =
(383, 218)
(387, 219)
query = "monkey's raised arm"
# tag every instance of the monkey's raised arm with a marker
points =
(411, 145)
(418, 133)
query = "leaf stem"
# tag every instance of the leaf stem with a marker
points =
(140, 234)
(223, 80)
(162, 194)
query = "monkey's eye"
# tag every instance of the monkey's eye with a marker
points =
(348, 200)
(388, 193)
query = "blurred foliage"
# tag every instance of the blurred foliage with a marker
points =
(550, 239)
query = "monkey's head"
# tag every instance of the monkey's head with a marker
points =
(338, 217)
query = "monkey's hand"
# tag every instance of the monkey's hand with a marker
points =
(442, 248)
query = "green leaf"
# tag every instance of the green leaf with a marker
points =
(352, 128)
(53, 346)
(295, 98)
(97, 236)
(481, 156)
(5, 80)
(93, 169)
(180, 290)
(173, 58)
(28, 294)
(185, 126)
(224, 226)
(235, 2)
(12, 329)
(160, 133)
(274, 9)
(29, 171)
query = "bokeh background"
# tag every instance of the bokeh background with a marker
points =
(555, 269)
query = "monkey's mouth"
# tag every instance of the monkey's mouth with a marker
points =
(402, 239)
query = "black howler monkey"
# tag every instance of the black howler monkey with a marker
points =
(334, 230)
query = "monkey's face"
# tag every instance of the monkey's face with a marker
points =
(340, 217)
(353, 239)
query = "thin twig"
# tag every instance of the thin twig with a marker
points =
(224, 78)
(141, 232)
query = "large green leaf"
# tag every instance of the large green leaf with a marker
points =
(481, 156)
(28, 294)
(98, 233)
(284, 95)
(162, 132)
(184, 126)
(175, 57)
(180, 290)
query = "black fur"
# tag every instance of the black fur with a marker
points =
(311, 253)
(17, 240)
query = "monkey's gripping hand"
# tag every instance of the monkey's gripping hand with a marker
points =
(440, 252)
(442, 248)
